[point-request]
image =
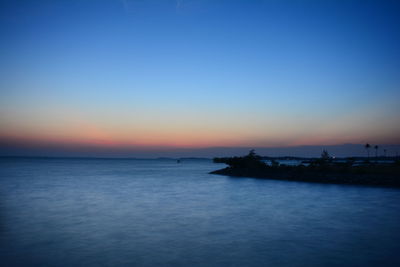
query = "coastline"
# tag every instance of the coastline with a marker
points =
(322, 170)
(302, 174)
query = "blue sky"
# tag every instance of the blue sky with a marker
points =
(200, 73)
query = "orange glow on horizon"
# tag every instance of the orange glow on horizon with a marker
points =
(190, 133)
(93, 138)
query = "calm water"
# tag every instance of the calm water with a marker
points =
(74, 212)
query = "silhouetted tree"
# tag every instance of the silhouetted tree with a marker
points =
(367, 146)
(251, 161)
(325, 155)
(384, 153)
(323, 160)
(252, 154)
(376, 151)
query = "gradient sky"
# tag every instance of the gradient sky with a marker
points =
(195, 74)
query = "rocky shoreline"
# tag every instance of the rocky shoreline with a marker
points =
(317, 176)
(320, 172)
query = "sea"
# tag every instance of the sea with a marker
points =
(158, 212)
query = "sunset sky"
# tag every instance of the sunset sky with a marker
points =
(198, 73)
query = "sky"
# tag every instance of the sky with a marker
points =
(140, 77)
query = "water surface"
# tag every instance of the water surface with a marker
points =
(103, 212)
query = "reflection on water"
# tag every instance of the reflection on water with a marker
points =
(75, 212)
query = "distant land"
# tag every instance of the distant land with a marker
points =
(321, 170)
(54, 150)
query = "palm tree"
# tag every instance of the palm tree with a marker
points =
(367, 146)
(376, 151)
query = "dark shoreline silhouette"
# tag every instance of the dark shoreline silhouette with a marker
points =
(321, 170)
